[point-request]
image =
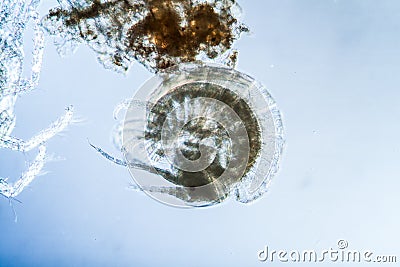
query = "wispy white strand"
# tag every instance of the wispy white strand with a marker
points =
(14, 17)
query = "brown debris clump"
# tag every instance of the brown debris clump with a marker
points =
(158, 34)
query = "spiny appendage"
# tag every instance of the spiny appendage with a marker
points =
(134, 164)
(35, 168)
(108, 156)
(16, 144)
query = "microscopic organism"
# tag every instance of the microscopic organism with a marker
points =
(196, 134)
(158, 34)
(14, 18)
(205, 133)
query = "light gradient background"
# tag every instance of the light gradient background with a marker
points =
(333, 69)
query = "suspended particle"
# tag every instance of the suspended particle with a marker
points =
(158, 34)
(206, 133)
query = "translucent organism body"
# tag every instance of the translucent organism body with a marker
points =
(158, 34)
(198, 133)
(14, 18)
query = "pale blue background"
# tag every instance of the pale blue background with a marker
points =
(332, 67)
